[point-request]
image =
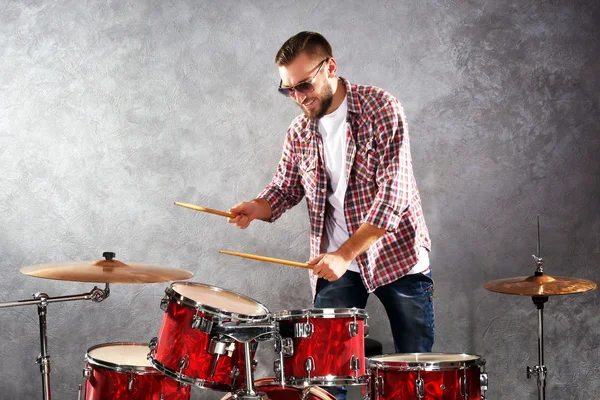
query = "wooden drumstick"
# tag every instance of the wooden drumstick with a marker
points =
(206, 210)
(267, 259)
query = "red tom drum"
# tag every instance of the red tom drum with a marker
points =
(187, 351)
(432, 376)
(121, 371)
(322, 346)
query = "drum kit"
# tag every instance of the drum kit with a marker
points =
(209, 337)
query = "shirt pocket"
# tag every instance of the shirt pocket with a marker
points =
(308, 176)
(365, 162)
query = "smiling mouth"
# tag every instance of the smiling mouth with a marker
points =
(308, 103)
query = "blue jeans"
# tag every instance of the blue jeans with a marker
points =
(408, 303)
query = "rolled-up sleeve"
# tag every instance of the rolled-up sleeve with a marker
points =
(393, 175)
(285, 189)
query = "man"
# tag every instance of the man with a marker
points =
(349, 155)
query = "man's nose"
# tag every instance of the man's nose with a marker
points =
(298, 96)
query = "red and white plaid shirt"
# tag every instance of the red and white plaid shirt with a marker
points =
(381, 191)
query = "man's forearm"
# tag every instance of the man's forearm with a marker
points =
(360, 241)
(263, 211)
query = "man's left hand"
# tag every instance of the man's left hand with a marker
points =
(330, 266)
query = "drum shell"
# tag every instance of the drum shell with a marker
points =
(331, 347)
(178, 340)
(441, 380)
(113, 382)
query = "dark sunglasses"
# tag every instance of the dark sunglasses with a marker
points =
(302, 87)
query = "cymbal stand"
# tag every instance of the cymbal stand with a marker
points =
(539, 371)
(42, 300)
(246, 334)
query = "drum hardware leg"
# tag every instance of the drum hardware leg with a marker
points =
(419, 385)
(42, 300)
(540, 371)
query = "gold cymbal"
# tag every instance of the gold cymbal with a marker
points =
(107, 271)
(542, 285)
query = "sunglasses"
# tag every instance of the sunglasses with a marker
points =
(302, 87)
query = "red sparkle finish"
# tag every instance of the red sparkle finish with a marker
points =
(105, 384)
(331, 347)
(177, 338)
(438, 385)
(276, 392)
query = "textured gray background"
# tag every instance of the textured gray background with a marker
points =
(112, 110)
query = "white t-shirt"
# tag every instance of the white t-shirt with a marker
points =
(333, 129)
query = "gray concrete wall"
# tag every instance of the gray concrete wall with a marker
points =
(112, 110)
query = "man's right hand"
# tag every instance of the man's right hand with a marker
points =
(248, 211)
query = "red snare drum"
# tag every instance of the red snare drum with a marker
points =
(276, 392)
(121, 371)
(322, 346)
(432, 376)
(186, 350)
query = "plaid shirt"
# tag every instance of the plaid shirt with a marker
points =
(381, 191)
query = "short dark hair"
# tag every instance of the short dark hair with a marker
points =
(312, 43)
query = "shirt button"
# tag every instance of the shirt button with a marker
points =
(323, 190)
(320, 214)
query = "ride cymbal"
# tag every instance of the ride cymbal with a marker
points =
(107, 271)
(540, 285)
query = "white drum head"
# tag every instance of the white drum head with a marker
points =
(220, 299)
(425, 358)
(120, 356)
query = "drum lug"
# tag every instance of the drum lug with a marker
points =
(184, 363)
(353, 329)
(309, 365)
(483, 383)
(463, 385)
(153, 344)
(420, 386)
(303, 330)
(355, 364)
(131, 382)
(87, 373)
(164, 303)
(277, 367)
(379, 386)
(285, 346)
(201, 323)
(366, 329)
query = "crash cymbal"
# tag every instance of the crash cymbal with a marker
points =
(540, 285)
(107, 271)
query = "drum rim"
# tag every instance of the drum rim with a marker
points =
(120, 368)
(320, 313)
(193, 304)
(186, 379)
(376, 363)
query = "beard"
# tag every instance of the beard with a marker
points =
(325, 98)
